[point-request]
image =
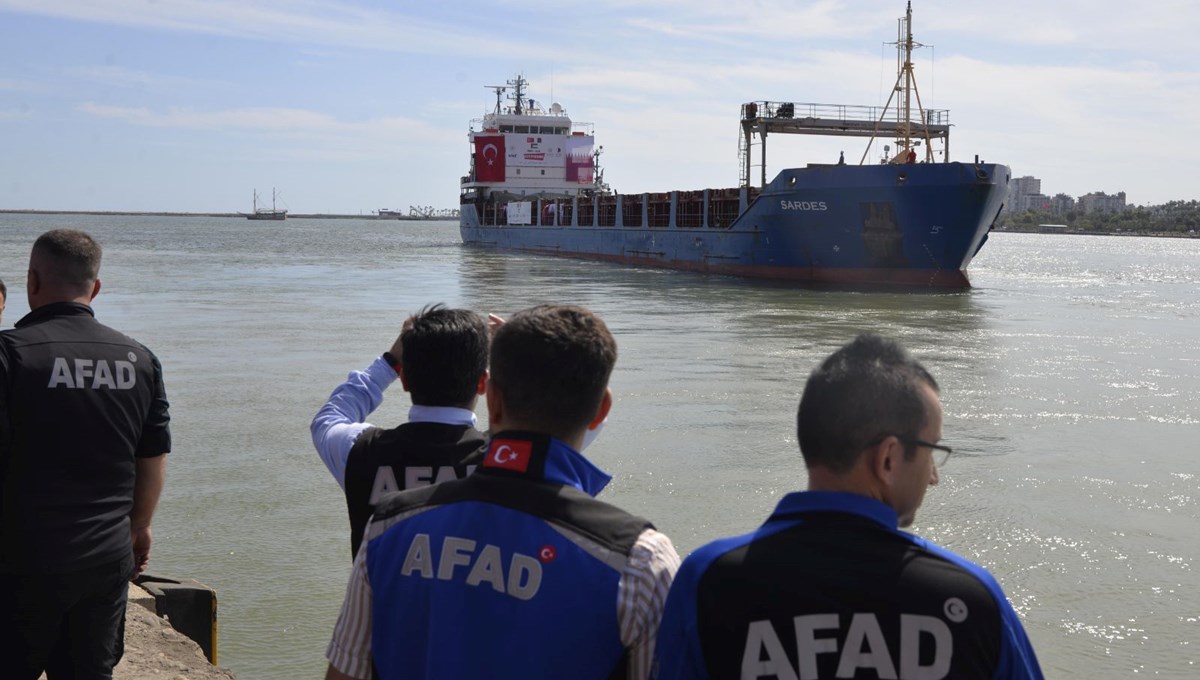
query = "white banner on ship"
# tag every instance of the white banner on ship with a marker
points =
(537, 151)
(519, 213)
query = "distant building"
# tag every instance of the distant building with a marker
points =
(1020, 186)
(1033, 202)
(1025, 194)
(1019, 189)
(1061, 204)
(1100, 202)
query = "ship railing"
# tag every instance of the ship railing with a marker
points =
(707, 208)
(489, 126)
(658, 210)
(689, 209)
(843, 113)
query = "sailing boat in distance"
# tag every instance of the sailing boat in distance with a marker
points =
(266, 213)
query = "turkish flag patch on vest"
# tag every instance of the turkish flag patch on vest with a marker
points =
(509, 454)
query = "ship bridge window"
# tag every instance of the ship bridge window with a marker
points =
(506, 128)
(522, 129)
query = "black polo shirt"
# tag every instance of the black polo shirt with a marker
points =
(79, 402)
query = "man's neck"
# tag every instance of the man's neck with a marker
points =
(856, 481)
(44, 300)
(572, 439)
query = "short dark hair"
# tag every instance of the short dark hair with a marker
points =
(72, 258)
(551, 364)
(865, 391)
(445, 353)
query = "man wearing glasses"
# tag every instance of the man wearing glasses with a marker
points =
(829, 586)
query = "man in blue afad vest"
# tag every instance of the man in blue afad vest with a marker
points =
(84, 424)
(829, 587)
(515, 571)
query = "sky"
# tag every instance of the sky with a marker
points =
(349, 106)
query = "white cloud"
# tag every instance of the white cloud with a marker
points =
(16, 114)
(309, 23)
(116, 76)
(23, 85)
(293, 133)
(270, 119)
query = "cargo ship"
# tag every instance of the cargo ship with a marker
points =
(909, 217)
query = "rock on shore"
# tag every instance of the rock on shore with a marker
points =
(156, 651)
(153, 649)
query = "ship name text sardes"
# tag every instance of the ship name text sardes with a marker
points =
(802, 205)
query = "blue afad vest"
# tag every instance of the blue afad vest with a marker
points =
(511, 572)
(828, 587)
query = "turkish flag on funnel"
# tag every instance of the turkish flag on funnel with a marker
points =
(489, 159)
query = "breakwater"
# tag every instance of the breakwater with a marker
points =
(291, 216)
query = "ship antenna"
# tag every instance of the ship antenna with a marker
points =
(519, 85)
(499, 90)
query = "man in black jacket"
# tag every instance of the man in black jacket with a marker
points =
(440, 358)
(84, 427)
(829, 587)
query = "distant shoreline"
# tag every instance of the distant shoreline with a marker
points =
(1088, 232)
(297, 216)
(407, 218)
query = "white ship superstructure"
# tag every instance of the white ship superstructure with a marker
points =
(525, 150)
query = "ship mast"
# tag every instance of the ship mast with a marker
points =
(519, 94)
(904, 71)
(906, 83)
(896, 119)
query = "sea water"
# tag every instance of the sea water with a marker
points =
(1070, 376)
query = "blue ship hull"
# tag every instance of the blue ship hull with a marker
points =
(910, 225)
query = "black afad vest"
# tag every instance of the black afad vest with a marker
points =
(407, 457)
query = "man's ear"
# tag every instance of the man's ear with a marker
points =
(95, 290)
(483, 381)
(601, 413)
(885, 460)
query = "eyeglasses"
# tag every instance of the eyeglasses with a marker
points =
(941, 454)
